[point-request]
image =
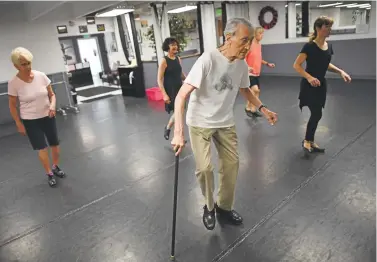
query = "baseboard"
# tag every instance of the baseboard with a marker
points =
(328, 76)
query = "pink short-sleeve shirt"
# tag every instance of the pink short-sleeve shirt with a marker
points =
(33, 97)
(254, 58)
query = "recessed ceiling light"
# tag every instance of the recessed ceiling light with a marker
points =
(115, 12)
(360, 6)
(182, 9)
(346, 5)
(326, 5)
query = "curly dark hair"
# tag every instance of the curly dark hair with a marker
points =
(168, 41)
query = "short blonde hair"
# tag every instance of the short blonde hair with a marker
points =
(19, 52)
(258, 29)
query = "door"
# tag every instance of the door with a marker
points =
(89, 52)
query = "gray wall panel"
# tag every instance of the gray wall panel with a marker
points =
(3, 88)
(150, 74)
(150, 70)
(357, 57)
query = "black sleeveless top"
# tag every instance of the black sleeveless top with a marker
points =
(172, 80)
(317, 63)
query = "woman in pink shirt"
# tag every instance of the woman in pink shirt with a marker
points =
(254, 61)
(32, 89)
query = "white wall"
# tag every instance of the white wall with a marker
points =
(40, 38)
(110, 27)
(92, 29)
(276, 35)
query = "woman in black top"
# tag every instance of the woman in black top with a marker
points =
(170, 77)
(317, 54)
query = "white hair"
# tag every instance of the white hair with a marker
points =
(21, 52)
(232, 25)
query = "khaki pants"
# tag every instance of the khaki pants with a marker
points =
(225, 140)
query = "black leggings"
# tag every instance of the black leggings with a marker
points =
(315, 116)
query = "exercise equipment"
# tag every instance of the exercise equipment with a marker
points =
(64, 95)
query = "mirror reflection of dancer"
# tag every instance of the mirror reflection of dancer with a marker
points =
(317, 54)
(254, 61)
(169, 79)
(32, 90)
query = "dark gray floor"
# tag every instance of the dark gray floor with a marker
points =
(116, 203)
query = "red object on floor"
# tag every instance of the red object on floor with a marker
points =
(154, 94)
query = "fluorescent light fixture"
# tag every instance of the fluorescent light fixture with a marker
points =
(346, 5)
(326, 5)
(298, 4)
(182, 9)
(360, 6)
(115, 12)
(365, 5)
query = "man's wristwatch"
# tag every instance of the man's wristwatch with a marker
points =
(260, 108)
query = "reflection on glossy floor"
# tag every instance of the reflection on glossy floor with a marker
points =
(116, 202)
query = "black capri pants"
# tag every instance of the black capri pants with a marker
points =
(39, 129)
(254, 81)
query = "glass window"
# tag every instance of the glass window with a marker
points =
(183, 25)
(349, 17)
(145, 35)
(219, 23)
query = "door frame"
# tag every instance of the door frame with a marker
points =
(98, 49)
(101, 46)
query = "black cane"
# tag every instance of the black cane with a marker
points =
(172, 255)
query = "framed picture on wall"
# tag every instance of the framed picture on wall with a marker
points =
(62, 29)
(83, 29)
(144, 23)
(100, 27)
(90, 20)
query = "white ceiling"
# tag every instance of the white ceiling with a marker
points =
(30, 11)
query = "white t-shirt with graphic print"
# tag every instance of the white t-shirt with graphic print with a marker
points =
(217, 82)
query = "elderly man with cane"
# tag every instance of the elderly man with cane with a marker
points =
(213, 83)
